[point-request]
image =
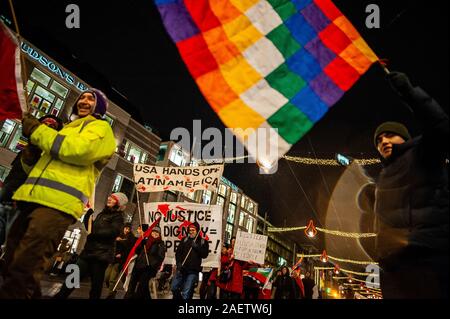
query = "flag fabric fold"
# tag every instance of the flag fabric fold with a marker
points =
(273, 64)
(12, 95)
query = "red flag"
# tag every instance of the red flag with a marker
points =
(12, 95)
(138, 242)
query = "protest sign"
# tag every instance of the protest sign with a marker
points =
(186, 179)
(176, 217)
(250, 247)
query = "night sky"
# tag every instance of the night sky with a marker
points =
(123, 44)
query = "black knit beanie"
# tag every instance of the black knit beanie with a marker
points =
(392, 127)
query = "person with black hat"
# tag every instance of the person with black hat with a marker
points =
(188, 256)
(57, 189)
(151, 253)
(98, 251)
(411, 200)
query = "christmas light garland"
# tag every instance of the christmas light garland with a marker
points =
(329, 162)
(326, 231)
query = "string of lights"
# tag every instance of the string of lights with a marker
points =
(350, 261)
(311, 231)
(329, 162)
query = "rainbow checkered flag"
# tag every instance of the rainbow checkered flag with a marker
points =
(272, 64)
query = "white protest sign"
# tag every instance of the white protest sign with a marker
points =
(250, 247)
(176, 217)
(186, 179)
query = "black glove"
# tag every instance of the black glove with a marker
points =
(400, 82)
(29, 124)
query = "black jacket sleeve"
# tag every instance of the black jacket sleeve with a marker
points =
(202, 247)
(433, 119)
(111, 231)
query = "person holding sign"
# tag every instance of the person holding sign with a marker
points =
(188, 256)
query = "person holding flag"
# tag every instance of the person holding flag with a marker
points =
(151, 253)
(189, 254)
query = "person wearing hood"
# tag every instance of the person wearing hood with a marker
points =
(151, 253)
(188, 256)
(56, 190)
(411, 199)
(98, 251)
(284, 285)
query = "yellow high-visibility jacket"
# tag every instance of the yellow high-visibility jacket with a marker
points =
(64, 177)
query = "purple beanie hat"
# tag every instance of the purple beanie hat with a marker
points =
(101, 102)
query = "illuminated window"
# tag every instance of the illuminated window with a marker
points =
(250, 224)
(241, 218)
(233, 197)
(251, 206)
(220, 200)
(44, 93)
(244, 202)
(6, 132)
(228, 232)
(177, 156)
(30, 86)
(162, 152)
(40, 76)
(109, 119)
(206, 198)
(4, 171)
(117, 183)
(59, 89)
(17, 142)
(135, 154)
(223, 190)
(231, 212)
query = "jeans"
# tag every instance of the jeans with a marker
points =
(111, 276)
(183, 285)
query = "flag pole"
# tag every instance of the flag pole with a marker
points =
(23, 68)
(123, 271)
(383, 63)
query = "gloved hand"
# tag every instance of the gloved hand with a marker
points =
(399, 82)
(29, 124)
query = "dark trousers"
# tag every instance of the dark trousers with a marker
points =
(204, 285)
(32, 241)
(416, 275)
(139, 284)
(88, 267)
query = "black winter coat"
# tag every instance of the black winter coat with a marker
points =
(105, 229)
(412, 198)
(285, 287)
(155, 255)
(200, 250)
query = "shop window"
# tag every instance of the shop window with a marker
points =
(117, 183)
(40, 76)
(6, 132)
(44, 94)
(17, 142)
(233, 197)
(231, 212)
(59, 89)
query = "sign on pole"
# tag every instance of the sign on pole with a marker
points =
(176, 217)
(186, 179)
(250, 247)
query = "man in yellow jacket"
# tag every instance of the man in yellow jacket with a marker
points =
(56, 191)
